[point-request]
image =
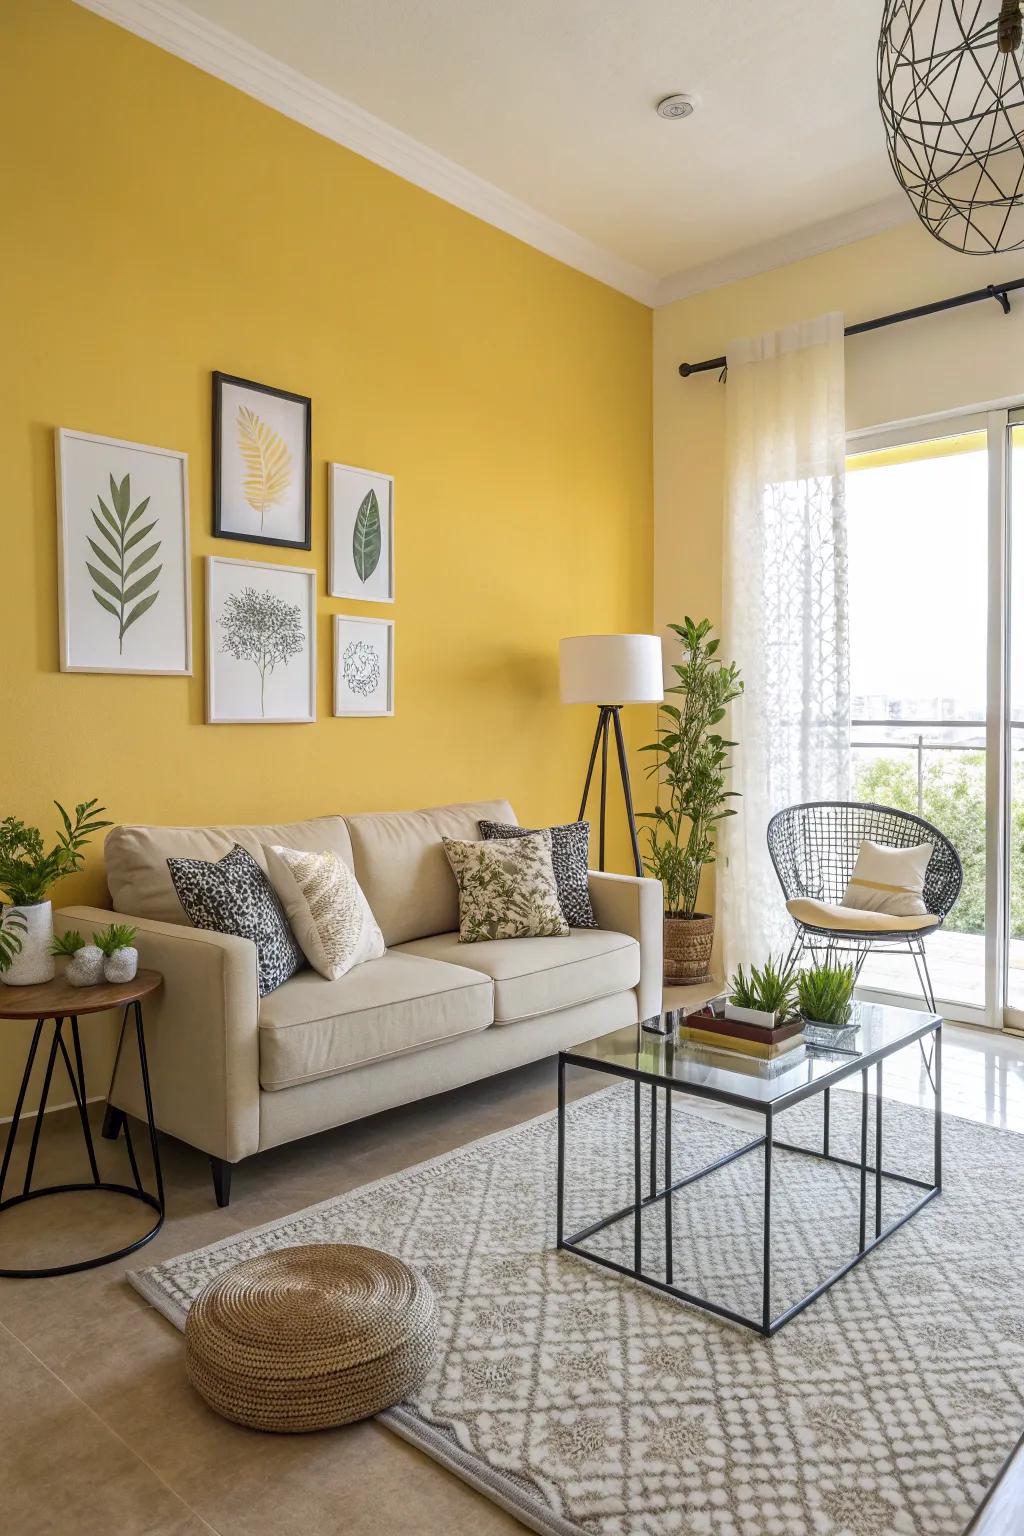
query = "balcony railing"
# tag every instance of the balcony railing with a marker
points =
(918, 744)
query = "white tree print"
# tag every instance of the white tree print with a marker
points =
(262, 628)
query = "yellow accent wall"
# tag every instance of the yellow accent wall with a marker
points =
(947, 362)
(158, 224)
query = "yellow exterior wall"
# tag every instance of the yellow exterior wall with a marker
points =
(158, 224)
(947, 362)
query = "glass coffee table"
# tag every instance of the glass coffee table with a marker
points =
(767, 1088)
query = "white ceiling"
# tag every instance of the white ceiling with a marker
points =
(552, 102)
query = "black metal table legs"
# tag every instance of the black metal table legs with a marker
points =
(76, 1077)
(767, 1324)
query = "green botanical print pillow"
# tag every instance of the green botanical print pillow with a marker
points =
(507, 890)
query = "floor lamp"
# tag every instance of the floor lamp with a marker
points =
(596, 669)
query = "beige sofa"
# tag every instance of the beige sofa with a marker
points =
(234, 1074)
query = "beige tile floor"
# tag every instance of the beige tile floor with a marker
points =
(99, 1431)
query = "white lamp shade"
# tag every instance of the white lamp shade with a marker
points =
(611, 669)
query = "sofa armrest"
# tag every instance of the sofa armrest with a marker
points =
(202, 1036)
(628, 904)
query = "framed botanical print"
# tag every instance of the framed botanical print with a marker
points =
(364, 666)
(262, 442)
(260, 642)
(124, 580)
(361, 554)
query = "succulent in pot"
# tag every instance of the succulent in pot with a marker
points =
(120, 957)
(825, 993)
(27, 871)
(691, 764)
(766, 997)
(85, 961)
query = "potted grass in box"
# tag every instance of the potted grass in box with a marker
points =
(765, 998)
(691, 763)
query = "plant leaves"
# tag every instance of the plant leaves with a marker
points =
(141, 608)
(137, 514)
(102, 556)
(103, 582)
(137, 537)
(108, 606)
(267, 460)
(115, 592)
(141, 585)
(366, 536)
(140, 559)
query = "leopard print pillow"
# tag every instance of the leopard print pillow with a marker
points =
(233, 895)
(507, 889)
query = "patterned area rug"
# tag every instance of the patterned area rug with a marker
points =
(590, 1405)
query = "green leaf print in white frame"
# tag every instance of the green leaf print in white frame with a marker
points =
(361, 561)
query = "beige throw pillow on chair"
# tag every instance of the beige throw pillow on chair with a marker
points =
(889, 880)
(328, 913)
(507, 889)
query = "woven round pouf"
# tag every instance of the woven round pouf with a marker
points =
(306, 1338)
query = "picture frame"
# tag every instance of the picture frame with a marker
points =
(260, 643)
(124, 576)
(361, 534)
(262, 463)
(364, 666)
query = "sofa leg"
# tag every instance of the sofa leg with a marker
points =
(221, 1171)
(113, 1119)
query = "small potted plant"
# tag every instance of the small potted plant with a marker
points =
(824, 995)
(120, 957)
(85, 961)
(27, 871)
(691, 764)
(764, 998)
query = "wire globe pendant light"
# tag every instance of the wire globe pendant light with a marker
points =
(951, 92)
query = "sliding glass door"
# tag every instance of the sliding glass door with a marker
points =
(936, 535)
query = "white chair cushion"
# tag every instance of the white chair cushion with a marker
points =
(889, 880)
(536, 976)
(311, 1028)
(820, 914)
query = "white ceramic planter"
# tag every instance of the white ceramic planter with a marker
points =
(33, 963)
(85, 968)
(758, 1016)
(122, 965)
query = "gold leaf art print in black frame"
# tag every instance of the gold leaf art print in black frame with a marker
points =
(262, 450)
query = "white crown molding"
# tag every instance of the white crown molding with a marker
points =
(175, 28)
(812, 240)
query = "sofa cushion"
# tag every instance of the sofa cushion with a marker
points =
(821, 914)
(402, 869)
(312, 1028)
(136, 857)
(535, 976)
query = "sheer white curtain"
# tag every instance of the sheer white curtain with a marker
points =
(785, 615)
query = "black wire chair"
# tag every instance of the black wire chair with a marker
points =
(814, 848)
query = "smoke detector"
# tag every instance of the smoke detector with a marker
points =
(676, 106)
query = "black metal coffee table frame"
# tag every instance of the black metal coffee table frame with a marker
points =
(767, 1324)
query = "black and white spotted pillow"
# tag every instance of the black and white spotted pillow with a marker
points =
(570, 855)
(233, 895)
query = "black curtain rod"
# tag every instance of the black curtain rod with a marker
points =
(997, 291)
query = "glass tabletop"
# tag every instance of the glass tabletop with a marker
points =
(732, 1078)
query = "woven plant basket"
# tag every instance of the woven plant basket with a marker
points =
(309, 1337)
(688, 942)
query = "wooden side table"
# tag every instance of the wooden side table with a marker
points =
(63, 1003)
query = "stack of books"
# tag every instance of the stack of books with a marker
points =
(766, 1044)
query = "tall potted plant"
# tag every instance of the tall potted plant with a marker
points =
(691, 763)
(27, 871)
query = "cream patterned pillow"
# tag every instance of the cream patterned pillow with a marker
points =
(889, 880)
(328, 913)
(507, 889)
